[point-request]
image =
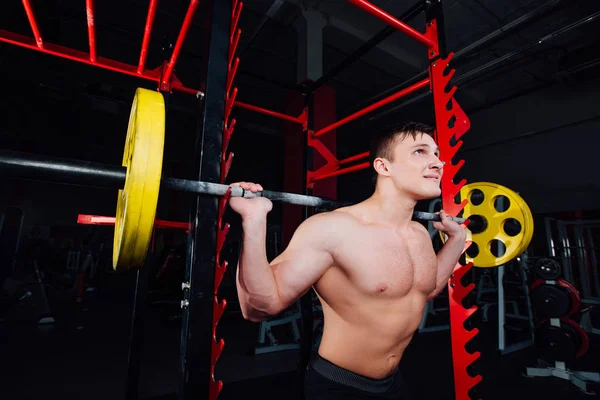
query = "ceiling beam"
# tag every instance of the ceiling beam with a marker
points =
(347, 22)
(353, 28)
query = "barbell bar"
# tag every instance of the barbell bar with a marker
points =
(139, 180)
(86, 173)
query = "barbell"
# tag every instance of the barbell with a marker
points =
(77, 172)
(139, 180)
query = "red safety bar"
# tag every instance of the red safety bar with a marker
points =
(85, 219)
(182, 34)
(331, 168)
(354, 158)
(147, 34)
(89, 10)
(390, 20)
(34, 27)
(299, 120)
(374, 106)
(343, 171)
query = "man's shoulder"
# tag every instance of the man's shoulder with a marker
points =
(324, 230)
(336, 218)
(420, 228)
(329, 226)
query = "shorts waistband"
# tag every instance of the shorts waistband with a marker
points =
(342, 376)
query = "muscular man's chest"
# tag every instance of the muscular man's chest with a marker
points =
(390, 266)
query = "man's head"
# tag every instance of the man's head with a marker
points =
(407, 159)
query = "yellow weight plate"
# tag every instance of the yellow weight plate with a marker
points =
(529, 231)
(137, 201)
(496, 221)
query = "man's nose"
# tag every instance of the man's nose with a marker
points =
(438, 164)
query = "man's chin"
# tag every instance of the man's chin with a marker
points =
(430, 194)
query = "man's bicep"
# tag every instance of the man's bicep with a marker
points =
(298, 271)
(304, 261)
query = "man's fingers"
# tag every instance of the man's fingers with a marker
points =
(443, 215)
(253, 187)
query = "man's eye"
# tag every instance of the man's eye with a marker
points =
(419, 151)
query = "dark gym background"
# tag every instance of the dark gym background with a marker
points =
(534, 124)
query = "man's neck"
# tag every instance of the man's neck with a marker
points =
(392, 209)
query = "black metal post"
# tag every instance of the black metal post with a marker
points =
(434, 11)
(408, 15)
(196, 328)
(306, 301)
(136, 338)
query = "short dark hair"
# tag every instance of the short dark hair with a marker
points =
(383, 143)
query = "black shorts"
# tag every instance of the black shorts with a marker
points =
(325, 380)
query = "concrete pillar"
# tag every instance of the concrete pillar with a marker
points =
(309, 34)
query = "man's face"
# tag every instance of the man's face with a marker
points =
(417, 169)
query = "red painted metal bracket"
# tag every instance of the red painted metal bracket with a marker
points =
(215, 385)
(451, 124)
(461, 358)
(217, 348)
(332, 166)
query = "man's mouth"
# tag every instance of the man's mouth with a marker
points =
(433, 177)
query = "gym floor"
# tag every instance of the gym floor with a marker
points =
(86, 358)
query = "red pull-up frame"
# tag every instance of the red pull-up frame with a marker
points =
(163, 75)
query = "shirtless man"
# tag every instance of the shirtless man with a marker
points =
(372, 267)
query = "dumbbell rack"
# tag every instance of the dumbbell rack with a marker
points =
(553, 316)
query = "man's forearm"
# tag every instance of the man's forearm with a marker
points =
(447, 258)
(257, 289)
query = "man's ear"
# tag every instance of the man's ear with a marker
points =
(381, 166)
